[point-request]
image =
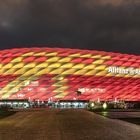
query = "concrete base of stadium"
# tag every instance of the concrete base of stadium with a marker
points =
(69, 104)
(65, 124)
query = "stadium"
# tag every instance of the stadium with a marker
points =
(46, 75)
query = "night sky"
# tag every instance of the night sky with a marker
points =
(107, 25)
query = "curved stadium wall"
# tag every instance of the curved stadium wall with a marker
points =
(68, 74)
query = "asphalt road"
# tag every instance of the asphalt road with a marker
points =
(65, 124)
(129, 116)
(120, 114)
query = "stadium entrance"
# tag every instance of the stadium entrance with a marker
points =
(70, 104)
(14, 104)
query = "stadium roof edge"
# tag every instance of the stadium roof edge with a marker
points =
(72, 49)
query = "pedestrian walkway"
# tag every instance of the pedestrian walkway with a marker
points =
(65, 124)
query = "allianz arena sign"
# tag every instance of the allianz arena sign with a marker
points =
(119, 70)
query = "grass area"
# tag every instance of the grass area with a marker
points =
(6, 113)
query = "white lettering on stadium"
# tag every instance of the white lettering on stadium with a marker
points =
(118, 70)
(92, 90)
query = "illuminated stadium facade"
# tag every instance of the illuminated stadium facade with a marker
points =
(44, 74)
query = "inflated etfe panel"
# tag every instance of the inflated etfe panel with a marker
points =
(68, 74)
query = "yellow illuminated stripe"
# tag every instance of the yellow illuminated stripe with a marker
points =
(91, 72)
(28, 54)
(9, 71)
(57, 71)
(30, 72)
(136, 76)
(98, 62)
(129, 76)
(51, 54)
(19, 65)
(17, 59)
(119, 75)
(30, 65)
(53, 59)
(69, 71)
(96, 56)
(1, 65)
(106, 57)
(1, 72)
(9, 65)
(90, 66)
(78, 66)
(101, 73)
(54, 65)
(20, 71)
(81, 72)
(100, 67)
(67, 65)
(40, 54)
(43, 71)
(86, 56)
(65, 59)
(42, 65)
(110, 74)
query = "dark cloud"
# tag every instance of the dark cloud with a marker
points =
(111, 25)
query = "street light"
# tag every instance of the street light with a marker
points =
(104, 105)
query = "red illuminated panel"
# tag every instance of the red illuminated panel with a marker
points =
(41, 59)
(29, 59)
